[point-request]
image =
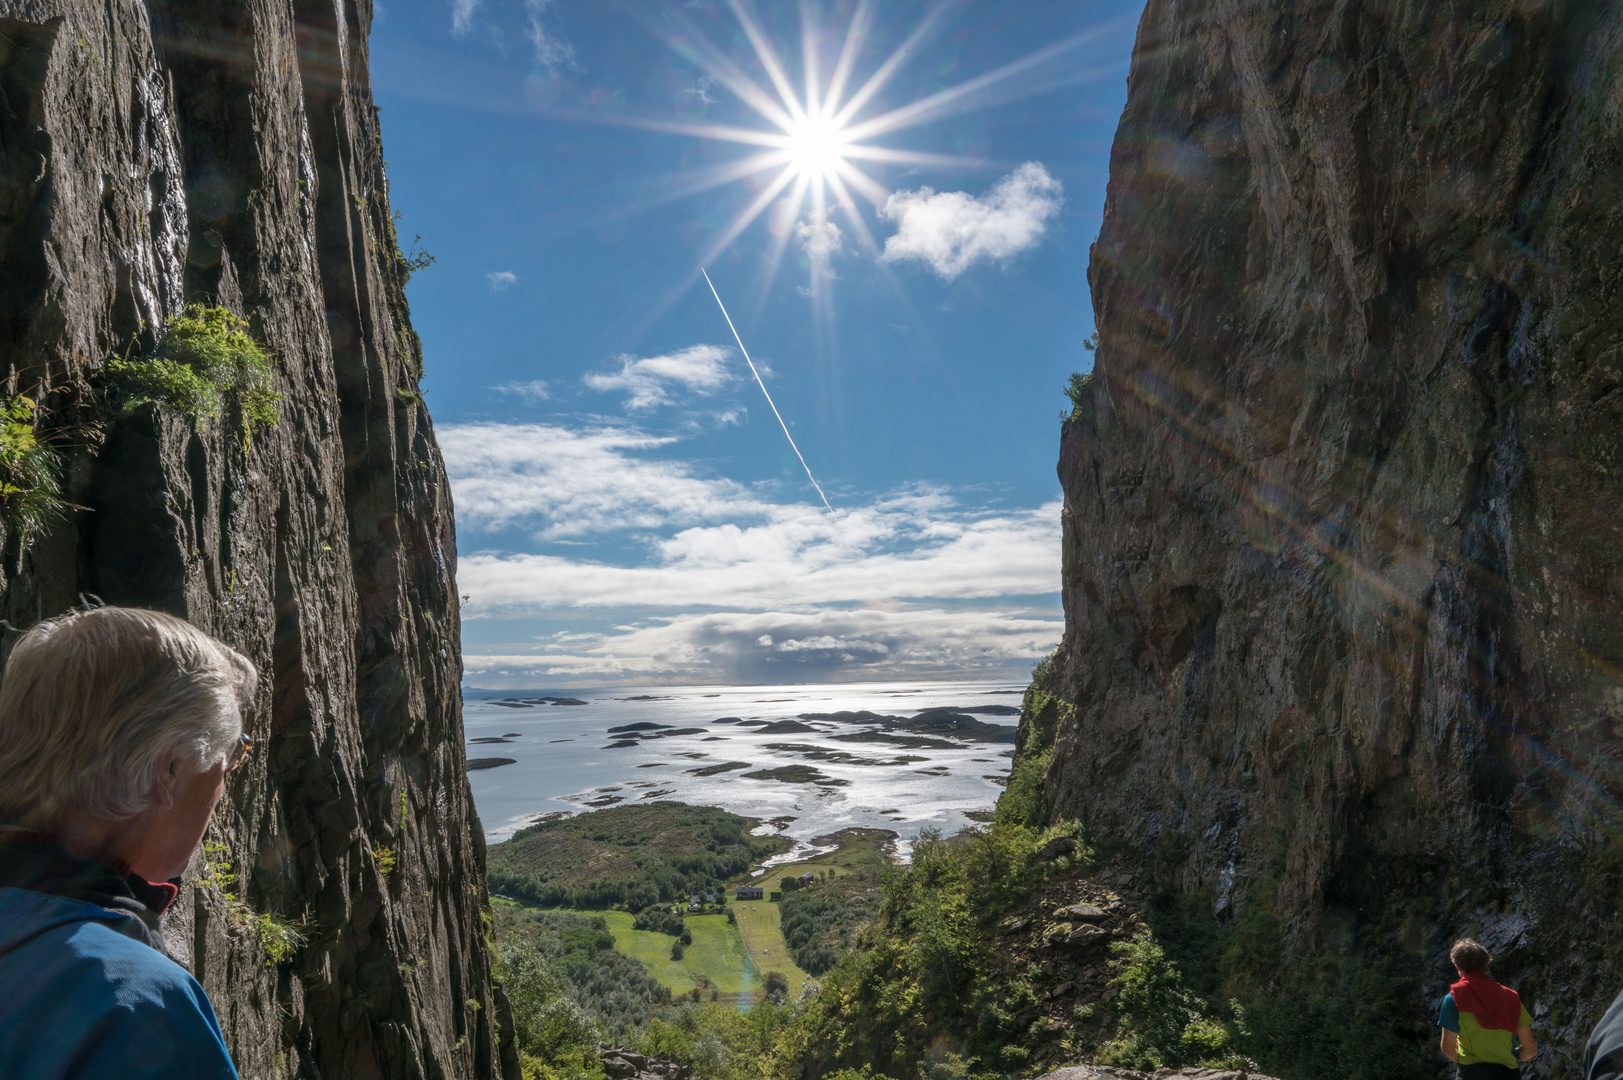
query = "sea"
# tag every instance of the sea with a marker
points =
(566, 760)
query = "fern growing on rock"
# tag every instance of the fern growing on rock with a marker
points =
(30, 474)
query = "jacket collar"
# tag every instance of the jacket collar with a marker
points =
(37, 861)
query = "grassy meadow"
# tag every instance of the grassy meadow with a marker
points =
(717, 957)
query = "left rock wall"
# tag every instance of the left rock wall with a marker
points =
(154, 155)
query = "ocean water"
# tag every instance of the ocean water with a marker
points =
(565, 759)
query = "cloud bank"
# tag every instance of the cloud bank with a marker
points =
(951, 231)
(681, 575)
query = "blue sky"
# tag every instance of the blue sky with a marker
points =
(912, 291)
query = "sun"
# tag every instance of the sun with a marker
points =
(810, 152)
(816, 146)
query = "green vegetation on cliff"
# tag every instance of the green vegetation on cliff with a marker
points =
(627, 856)
(206, 358)
(30, 473)
(922, 973)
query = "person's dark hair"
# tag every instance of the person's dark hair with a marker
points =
(1468, 956)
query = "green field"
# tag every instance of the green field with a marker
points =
(716, 957)
(758, 925)
(652, 843)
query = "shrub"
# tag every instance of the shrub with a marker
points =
(30, 475)
(1076, 388)
(1163, 1024)
(205, 358)
(685, 937)
(277, 936)
(821, 924)
(676, 950)
(660, 919)
(1023, 802)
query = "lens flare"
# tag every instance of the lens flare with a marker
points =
(816, 147)
(805, 157)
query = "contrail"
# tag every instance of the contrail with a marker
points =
(762, 385)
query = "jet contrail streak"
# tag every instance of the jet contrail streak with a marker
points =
(762, 385)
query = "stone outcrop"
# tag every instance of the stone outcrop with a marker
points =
(177, 151)
(1343, 526)
(622, 1064)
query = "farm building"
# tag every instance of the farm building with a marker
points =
(807, 878)
(748, 892)
(777, 896)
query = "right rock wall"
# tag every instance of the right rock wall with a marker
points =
(1343, 502)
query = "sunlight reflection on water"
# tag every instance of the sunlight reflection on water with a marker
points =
(564, 760)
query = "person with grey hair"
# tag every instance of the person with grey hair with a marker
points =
(117, 729)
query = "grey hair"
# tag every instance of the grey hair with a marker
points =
(93, 700)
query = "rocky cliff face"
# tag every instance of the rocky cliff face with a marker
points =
(1343, 558)
(176, 151)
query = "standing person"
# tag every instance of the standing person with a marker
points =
(117, 729)
(1486, 1030)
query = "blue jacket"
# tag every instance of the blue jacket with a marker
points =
(86, 994)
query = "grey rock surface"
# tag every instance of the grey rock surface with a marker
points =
(1343, 521)
(621, 1064)
(155, 154)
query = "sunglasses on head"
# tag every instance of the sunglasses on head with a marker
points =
(239, 753)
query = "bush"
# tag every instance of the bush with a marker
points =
(685, 937)
(660, 919)
(921, 976)
(1161, 1023)
(819, 925)
(1023, 802)
(278, 937)
(676, 950)
(720, 1043)
(205, 358)
(612, 989)
(30, 475)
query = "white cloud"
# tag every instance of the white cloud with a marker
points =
(501, 279)
(820, 239)
(825, 643)
(462, 13)
(931, 642)
(534, 390)
(715, 580)
(565, 484)
(895, 551)
(953, 230)
(550, 51)
(648, 381)
(722, 544)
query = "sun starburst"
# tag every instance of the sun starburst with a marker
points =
(804, 163)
